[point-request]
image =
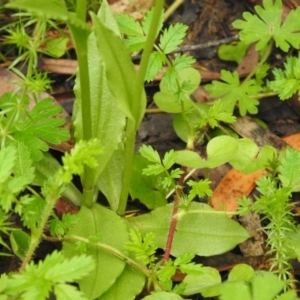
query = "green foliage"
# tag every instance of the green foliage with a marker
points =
(50, 275)
(267, 25)
(231, 90)
(194, 233)
(286, 81)
(32, 128)
(142, 247)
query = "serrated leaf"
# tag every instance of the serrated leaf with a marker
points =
(135, 43)
(172, 37)
(163, 296)
(194, 233)
(267, 24)
(155, 64)
(182, 61)
(128, 25)
(289, 169)
(146, 23)
(113, 232)
(149, 153)
(67, 292)
(232, 91)
(7, 161)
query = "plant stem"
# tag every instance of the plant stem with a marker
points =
(133, 125)
(174, 220)
(36, 235)
(81, 9)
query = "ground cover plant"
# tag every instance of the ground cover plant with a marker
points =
(108, 255)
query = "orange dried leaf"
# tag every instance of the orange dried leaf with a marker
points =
(232, 187)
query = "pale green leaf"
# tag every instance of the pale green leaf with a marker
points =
(149, 153)
(112, 231)
(67, 292)
(201, 283)
(156, 61)
(7, 161)
(163, 296)
(128, 25)
(194, 233)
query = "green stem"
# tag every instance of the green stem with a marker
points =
(133, 125)
(81, 9)
(38, 232)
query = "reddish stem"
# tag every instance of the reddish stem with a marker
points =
(173, 223)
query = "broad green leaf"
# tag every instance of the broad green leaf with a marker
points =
(112, 231)
(123, 288)
(107, 120)
(19, 241)
(241, 272)
(233, 52)
(194, 233)
(247, 160)
(209, 280)
(118, 65)
(57, 47)
(110, 180)
(235, 291)
(220, 150)
(146, 189)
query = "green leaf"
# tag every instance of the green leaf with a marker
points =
(200, 189)
(172, 37)
(110, 180)
(128, 25)
(241, 272)
(232, 91)
(7, 161)
(182, 61)
(37, 281)
(287, 81)
(267, 25)
(118, 65)
(156, 61)
(128, 291)
(220, 150)
(39, 126)
(19, 241)
(233, 52)
(194, 233)
(149, 153)
(112, 231)
(67, 292)
(57, 47)
(207, 283)
(289, 169)
(147, 189)
(146, 23)
(107, 120)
